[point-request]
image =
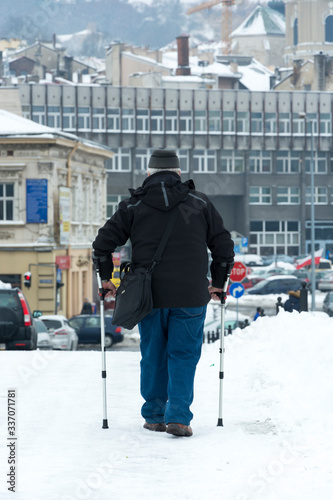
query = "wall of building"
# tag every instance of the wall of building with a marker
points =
(36, 246)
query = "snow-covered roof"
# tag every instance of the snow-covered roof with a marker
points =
(12, 125)
(262, 21)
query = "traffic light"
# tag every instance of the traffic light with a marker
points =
(27, 279)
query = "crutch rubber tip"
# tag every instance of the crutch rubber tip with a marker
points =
(105, 424)
(220, 422)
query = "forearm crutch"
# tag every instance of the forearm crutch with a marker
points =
(102, 292)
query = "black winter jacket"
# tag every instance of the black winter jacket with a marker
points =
(180, 279)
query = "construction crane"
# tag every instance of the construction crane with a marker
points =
(226, 19)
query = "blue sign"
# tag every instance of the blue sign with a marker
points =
(244, 242)
(36, 201)
(236, 290)
(59, 275)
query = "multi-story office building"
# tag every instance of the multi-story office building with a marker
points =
(249, 151)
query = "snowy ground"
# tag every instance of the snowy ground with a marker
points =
(276, 442)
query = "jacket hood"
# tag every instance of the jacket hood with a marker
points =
(163, 190)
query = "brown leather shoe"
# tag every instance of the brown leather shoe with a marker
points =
(179, 430)
(158, 427)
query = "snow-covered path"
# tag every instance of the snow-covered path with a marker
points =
(276, 443)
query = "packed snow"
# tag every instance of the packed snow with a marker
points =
(276, 442)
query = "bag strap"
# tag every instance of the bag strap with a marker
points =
(166, 235)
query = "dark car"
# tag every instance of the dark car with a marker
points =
(88, 329)
(17, 329)
(328, 304)
(276, 284)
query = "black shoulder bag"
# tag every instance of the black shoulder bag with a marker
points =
(134, 296)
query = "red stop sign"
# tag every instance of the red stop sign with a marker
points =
(238, 272)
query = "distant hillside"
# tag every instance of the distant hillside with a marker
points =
(138, 22)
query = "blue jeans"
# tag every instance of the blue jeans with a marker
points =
(171, 342)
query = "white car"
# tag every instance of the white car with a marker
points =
(63, 336)
(43, 337)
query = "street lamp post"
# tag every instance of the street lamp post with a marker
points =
(313, 275)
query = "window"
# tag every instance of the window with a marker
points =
(214, 121)
(270, 123)
(284, 124)
(298, 125)
(288, 195)
(68, 118)
(86, 195)
(53, 116)
(84, 118)
(157, 120)
(6, 201)
(26, 111)
(141, 160)
(127, 120)
(38, 114)
(243, 122)
(200, 121)
(171, 120)
(185, 121)
(260, 162)
(121, 161)
(295, 31)
(319, 160)
(113, 201)
(287, 162)
(113, 119)
(275, 237)
(256, 123)
(204, 160)
(142, 120)
(329, 29)
(320, 195)
(312, 123)
(232, 162)
(98, 119)
(260, 195)
(325, 125)
(228, 121)
(183, 155)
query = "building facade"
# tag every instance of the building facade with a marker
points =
(309, 29)
(52, 203)
(249, 151)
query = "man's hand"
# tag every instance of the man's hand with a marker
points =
(108, 285)
(212, 290)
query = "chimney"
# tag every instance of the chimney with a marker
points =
(54, 40)
(69, 67)
(183, 56)
(297, 63)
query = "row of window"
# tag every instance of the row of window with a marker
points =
(228, 161)
(290, 195)
(85, 200)
(172, 121)
(275, 237)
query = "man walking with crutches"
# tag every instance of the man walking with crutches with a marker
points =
(172, 333)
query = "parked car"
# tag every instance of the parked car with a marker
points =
(328, 304)
(63, 336)
(43, 337)
(17, 329)
(276, 284)
(325, 284)
(88, 328)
